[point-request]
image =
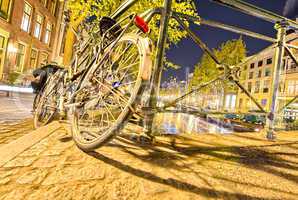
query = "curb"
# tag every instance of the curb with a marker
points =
(13, 149)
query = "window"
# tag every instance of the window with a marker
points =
(44, 58)
(266, 86)
(20, 57)
(5, 8)
(245, 67)
(252, 65)
(267, 72)
(53, 6)
(240, 102)
(3, 41)
(293, 65)
(33, 58)
(291, 87)
(251, 75)
(62, 47)
(38, 26)
(282, 87)
(44, 2)
(249, 87)
(260, 63)
(26, 17)
(269, 61)
(257, 87)
(259, 73)
(47, 38)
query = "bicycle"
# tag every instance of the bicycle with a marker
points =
(112, 92)
(55, 97)
(51, 100)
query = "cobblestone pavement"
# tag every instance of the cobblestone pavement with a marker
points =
(10, 131)
(240, 166)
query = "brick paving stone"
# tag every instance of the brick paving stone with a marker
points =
(20, 162)
(74, 173)
(34, 176)
(46, 162)
(12, 131)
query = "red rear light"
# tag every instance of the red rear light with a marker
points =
(141, 24)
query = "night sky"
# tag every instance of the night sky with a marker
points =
(187, 54)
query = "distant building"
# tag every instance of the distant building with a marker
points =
(29, 34)
(257, 74)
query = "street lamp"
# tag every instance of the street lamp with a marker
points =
(12, 49)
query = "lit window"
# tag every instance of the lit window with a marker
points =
(33, 58)
(251, 75)
(26, 17)
(20, 57)
(44, 58)
(266, 86)
(257, 87)
(38, 26)
(240, 103)
(259, 73)
(5, 8)
(44, 2)
(249, 87)
(296, 88)
(291, 87)
(53, 6)
(267, 72)
(47, 38)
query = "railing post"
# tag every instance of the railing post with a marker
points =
(278, 61)
(158, 64)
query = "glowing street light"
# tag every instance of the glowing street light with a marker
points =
(12, 49)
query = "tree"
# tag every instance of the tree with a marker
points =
(231, 53)
(82, 8)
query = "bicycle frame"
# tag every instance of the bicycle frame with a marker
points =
(166, 12)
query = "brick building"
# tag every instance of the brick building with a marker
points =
(29, 34)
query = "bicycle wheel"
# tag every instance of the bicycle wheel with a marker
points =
(48, 102)
(108, 92)
(36, 100)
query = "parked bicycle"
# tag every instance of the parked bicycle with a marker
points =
(122, 81)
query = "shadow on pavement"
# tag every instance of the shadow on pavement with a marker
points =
(172, 182)
(254, 157)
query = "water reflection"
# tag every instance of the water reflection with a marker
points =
(177, 123)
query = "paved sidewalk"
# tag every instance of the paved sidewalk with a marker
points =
(16, 107)
(10, 131)
(240, 166)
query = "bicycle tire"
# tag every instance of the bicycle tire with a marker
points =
(50, 90)
(144, 69)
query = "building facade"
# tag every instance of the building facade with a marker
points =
(29, 32)
(257, 74)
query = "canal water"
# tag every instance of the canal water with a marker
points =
(178, 123)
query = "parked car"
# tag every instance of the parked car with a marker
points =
(231, 116)
(254, 119)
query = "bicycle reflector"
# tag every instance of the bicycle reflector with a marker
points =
(141, 24)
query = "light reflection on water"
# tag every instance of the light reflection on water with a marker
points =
(178, 123)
